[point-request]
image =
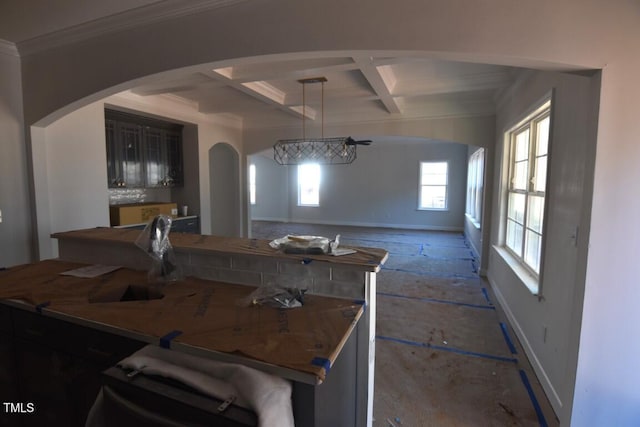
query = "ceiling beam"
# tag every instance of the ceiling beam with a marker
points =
(377, 82)
(252, 91)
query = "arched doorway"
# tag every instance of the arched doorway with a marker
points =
(224, 166)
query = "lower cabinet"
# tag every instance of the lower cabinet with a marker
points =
(46, 378)
(186, 225)
(8, 381)
(178, 225)
(57, 368)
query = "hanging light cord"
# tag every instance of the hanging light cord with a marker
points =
(304, 111)
(322, 108)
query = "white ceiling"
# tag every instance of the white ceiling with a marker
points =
(266, 93)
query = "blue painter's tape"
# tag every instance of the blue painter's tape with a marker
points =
(165, 341)
(323, 363)
(534, 401)
(486, 296)
(464, 304)
(443, 275)
(507, 338)
(449, 349)
(40, 306)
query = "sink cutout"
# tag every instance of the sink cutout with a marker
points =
(140, 293)
(128, 293)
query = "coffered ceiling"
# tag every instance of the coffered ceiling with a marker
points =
(360, 87)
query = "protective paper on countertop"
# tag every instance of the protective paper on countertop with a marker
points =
(205, 311)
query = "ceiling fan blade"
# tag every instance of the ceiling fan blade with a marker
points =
(351, 141)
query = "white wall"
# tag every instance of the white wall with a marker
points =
(15, 229)
(77, 173)
(546, 326)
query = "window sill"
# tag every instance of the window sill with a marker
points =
(525, 276)
(473, 221)
(433, 209)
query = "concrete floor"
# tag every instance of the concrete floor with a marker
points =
(445, 354)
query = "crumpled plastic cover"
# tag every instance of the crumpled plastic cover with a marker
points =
(292, 244)
(154, 240)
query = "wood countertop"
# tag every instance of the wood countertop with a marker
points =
(365, 259)
(195, 316)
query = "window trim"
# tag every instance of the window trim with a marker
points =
(421, 164)
(531, 279)
(252, 184)
(313, 205)
(475, 217)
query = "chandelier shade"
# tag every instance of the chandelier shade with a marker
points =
(332, 151)
(328, 151)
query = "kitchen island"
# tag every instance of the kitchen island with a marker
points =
(325, 347)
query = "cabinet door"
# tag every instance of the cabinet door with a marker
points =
(130, 154)
(191, 225)
(173, 145)
(163, 157)
(8, 382)
(46, 377)
(154, 153)
(113, 162)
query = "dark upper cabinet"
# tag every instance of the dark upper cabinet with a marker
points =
(173, 145)
(142, 152)
(163, 148)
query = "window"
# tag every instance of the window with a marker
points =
(475, 184)
(309, 184)
(252, 184)
(433, 185)
(528, 157)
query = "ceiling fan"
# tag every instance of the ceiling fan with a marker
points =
(351, 141)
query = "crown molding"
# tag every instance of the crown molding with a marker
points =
(145, 15)
(8, 48)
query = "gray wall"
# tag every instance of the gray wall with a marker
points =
(548, 325)
(189, 194)
(272, 189)
(379, 189)
(15, 229)
(225, 190)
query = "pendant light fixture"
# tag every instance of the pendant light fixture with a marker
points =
(331, 151)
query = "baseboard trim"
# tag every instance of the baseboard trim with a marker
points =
(365, 224)
(549, 389)
(269, 219)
